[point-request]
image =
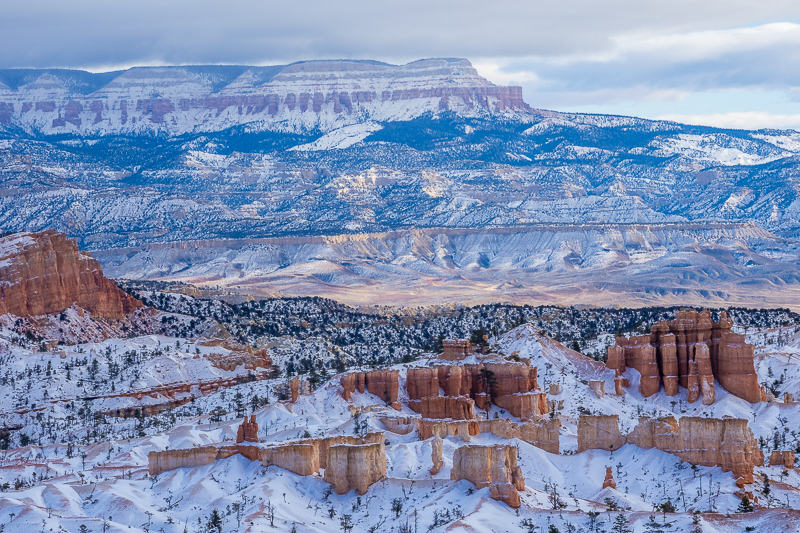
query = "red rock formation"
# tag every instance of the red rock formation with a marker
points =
(619, 386)
(782, 458)
(422, 383)
(690, 351)
(382, 383)
(248, 430)
(490, 466)
(609, 482)
(616, 359)
(641, 356)
(510, 385)
(736, 367)
(355, 466)
(237, 354)
(456, 350)
(44, 273)
(455, 407)
(599, 433)
(788, 397)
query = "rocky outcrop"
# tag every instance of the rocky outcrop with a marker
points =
(490, 466)
(509, 385)
(783, 458)
(690, 351)
(44, 273)
(609, 482)
(384, 384)
(727, 442)
(724, 442)
(355, 466)
(788, 397)
(436, 455)
(599, 433)
(440, 407)
(598, 387)
(456, 350)
(544, 434)
(233, 355)
(248, 430)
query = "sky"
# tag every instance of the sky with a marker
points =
(728, 63)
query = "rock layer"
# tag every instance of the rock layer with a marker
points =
(44, 273)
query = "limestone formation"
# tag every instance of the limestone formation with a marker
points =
(690, 351)
(555, 389)
(355, 466)
(619, 386)
(609, 482)
(788, 397)
(598, 387)
(436, 455)
(782, 458)
(490, 466)
(44, 273)
(248, 430)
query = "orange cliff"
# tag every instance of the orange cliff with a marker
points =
(690, 352)
(44, 273)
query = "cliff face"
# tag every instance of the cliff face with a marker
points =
(300, 96)
(726, 442)
(382, 383)
(490, 466)
(690, 351)
(355, 466)
(44, 273)
(510, 385)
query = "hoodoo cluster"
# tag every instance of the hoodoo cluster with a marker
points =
(689, 352)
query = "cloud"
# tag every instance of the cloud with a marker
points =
(573, 53)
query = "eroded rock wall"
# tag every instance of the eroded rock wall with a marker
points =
(44, 273)
(490, 466)
(355, 466)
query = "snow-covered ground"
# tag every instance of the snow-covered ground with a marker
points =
(105, 486)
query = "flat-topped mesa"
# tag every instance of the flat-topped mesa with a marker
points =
(690, 351)
(490, 466)
(509, 385)
(384, 384)
(310, 95)
(45, 273)
(724, 442)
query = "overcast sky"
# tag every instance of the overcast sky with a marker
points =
(720, 62)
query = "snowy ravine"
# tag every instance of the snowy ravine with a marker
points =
(105, 486)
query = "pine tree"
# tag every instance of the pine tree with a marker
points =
(745, 506)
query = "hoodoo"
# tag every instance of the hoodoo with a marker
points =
(690, 351)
